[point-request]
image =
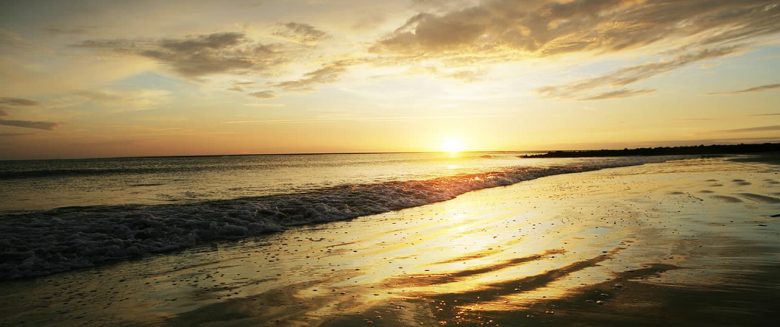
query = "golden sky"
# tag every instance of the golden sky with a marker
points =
(129, 78)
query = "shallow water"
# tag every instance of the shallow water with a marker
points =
(656, 244)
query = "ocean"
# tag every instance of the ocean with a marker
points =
(48, 184)
(58, 215)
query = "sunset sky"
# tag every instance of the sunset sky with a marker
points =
(131, 78)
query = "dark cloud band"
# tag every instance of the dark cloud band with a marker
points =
(752, 89)
(44, 125)
(17, 102)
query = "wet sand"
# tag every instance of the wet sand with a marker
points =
(689, 242)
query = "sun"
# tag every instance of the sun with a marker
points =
(452, 145)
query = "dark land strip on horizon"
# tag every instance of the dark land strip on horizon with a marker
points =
(664, 151)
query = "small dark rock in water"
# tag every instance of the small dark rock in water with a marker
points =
(600, 302)
(775, 216)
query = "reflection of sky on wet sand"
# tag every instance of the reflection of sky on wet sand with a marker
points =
(600, 242)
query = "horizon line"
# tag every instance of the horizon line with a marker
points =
(692, 143)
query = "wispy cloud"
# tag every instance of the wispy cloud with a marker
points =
(754, 129)
(332, 71)
(10, 41)
(624, 93)
(10, 102)
(465, 75)
(240, 86)
(44, 125)
(751, 89)
(200, 55)
(124, 99)
(263, 94)
(328, 73)
(17, 101)
(356, 118)
(632, 74)
(301, 33)
(66, 30)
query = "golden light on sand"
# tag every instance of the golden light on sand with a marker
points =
(452, 145)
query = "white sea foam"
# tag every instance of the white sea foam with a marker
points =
(45, 242)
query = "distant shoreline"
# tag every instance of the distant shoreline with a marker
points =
(663, 151)
(528, 153)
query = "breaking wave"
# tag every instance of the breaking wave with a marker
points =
(44, 242)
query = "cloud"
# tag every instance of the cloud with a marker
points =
(10, 41)
(17, 101)
(125, 99)
(442, 5)
(302, 33)
(200, 55)
(332, 71)
(328, 73)
(263, 94)
(239, 86)
(624, 93)
(102, 96)
(752, 89)
(631, 74)
(464, 75)
(755, 129)
(7, 102)
(44, 125)
(514, 29)
(495, 31)
(469, 33)
(66, 30)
